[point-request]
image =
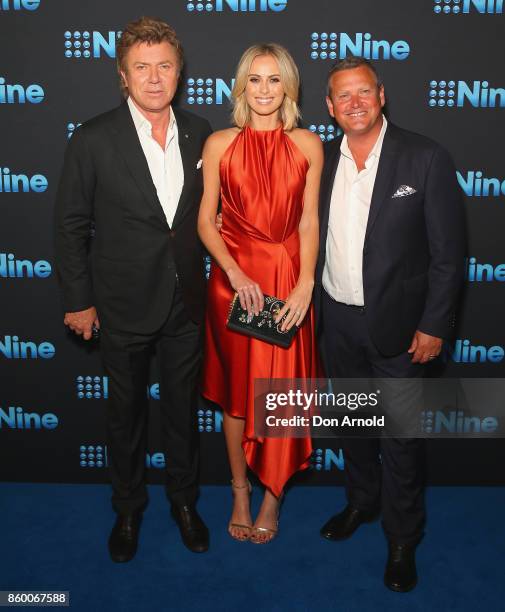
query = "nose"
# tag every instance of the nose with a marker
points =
(264, 86)
(355, 100)
(154, 75)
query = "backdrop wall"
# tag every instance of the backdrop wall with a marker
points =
(441, 62)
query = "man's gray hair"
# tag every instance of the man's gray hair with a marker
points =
(348, 63)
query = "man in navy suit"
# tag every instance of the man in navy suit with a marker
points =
(390, 266)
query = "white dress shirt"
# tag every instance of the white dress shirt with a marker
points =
(349, 208)
(165, 166)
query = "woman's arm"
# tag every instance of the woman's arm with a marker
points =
(250, 295)
(298, 302)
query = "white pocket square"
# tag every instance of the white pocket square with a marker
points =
(404, 190)
(199, 164)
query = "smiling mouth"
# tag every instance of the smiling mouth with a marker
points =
(356, 114)
(264, 100)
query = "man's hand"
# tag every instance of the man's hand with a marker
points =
(82, 322)
(424, 347)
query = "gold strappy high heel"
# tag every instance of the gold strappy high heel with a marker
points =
(247, 528)
(255, 531)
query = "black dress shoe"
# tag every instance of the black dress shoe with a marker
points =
(343, 525)
(124, 537)
(194, 533)
(401, 574)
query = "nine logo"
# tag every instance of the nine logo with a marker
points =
(11, 347)
(325, 459)
(465, 352)
(243, 6)
(91, 456)
(325, 132)
(475, 184)
(14, 183)
(17, 418)
(478, 272)
(97, 387)
(90, 44)
(209, 421)
(10, 267)
(19, 5)
(208, 91)
(477, 93)
(464, 6)
(455, 421)
(14, 93)
(337, 46)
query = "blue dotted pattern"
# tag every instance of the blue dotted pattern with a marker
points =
(447, 7)
(325, 132)
(323, 45)
(442, 93)
(200, 91)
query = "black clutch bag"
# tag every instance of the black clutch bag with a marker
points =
(262, 326)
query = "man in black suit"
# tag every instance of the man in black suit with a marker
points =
(389, 271)
(135, 173)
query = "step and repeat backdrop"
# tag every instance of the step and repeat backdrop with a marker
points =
(442, 65)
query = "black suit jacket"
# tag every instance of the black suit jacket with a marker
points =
(413, 255)
(128, 267)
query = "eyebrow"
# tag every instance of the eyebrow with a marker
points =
(347, 90)
(167, 61)
(258, 75)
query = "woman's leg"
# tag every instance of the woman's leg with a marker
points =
(241, 520)
(265, 525)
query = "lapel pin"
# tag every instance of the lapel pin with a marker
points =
(186, 135)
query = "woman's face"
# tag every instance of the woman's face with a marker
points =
(264, 91)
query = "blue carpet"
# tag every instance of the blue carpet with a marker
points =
(54, 537)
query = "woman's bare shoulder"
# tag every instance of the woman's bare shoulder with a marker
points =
(306, 138)
(309, 143)
(220, 140)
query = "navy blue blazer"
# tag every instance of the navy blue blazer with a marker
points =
(413, 255)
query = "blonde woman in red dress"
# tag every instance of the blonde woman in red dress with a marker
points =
(266, 172)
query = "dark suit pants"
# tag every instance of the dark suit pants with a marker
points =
(126, 358)
(385, 473)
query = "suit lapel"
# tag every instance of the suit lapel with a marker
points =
(185, 147)
(385, 174)
(129, 147)
(332, 157)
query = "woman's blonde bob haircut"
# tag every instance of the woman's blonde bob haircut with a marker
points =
(290, 79)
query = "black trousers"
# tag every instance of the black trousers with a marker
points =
(385, 473)
(126, 359)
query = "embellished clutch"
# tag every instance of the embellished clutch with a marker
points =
(261, 326)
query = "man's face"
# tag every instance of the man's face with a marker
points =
(355, 101)
(151, 75)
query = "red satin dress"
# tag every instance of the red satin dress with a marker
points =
(262, 184)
